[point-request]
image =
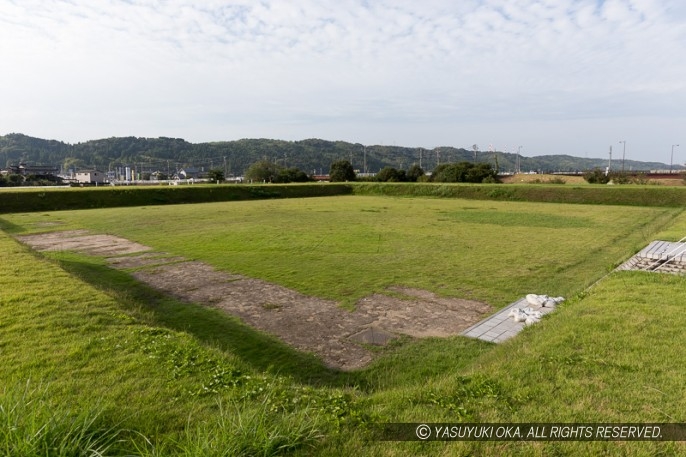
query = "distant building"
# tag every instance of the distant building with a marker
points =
(35, 170)
(90, 177)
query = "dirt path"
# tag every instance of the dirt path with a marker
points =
(307, 323)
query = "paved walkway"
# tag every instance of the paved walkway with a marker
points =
(499, 327)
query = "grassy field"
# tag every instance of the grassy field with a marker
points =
(345, 248)
(91, 358)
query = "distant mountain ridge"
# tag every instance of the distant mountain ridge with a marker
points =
(311, 155)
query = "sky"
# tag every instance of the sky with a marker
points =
(541, 77)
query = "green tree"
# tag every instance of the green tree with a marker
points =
(464, 172)
(414, 173)
(449, 172)
(216, 175)
(263, 171)
(293, 175)
(341, 171)
(596, 176)
(15, 180)
(620, 177)
(390, 174)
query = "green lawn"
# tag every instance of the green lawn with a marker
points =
(346, 248)
(88, 354)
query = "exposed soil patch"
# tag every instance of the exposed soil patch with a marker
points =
(307, 323)
(540, 178)
(47, 224)
(143, 260)
(655, 179)
(82, 241)
(422, 314)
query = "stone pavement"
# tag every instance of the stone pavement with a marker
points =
(662, 256)
(499, 327)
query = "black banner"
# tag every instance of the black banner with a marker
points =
(530, 432)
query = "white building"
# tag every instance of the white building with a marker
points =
(90, 177)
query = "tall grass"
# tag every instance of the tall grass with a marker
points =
(31, 426)
(245, 429)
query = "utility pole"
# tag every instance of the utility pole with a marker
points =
(609, 163)
(475, 147)
(365, 159)
(623, 153)
(671, 161)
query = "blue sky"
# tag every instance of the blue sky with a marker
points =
(553, 76)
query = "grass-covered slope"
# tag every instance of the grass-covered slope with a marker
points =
(88, 369)
(14, 200)
(612, 356)
(629, 195)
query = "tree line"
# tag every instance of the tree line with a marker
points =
(312, 156)
(343, 171)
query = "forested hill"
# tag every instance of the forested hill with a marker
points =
(312, 155)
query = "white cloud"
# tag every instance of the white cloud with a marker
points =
(426, 73)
